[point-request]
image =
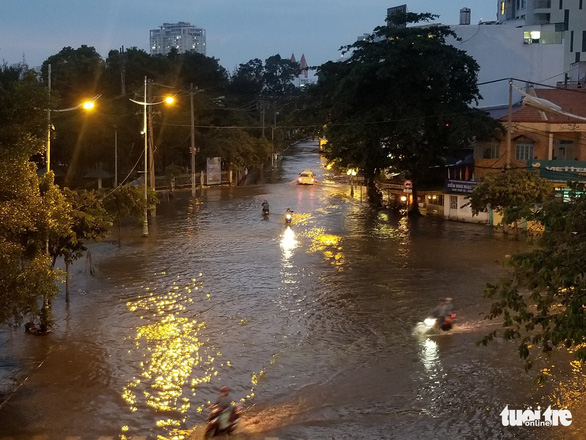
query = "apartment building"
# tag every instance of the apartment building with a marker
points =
(568, 18)
(182, 36)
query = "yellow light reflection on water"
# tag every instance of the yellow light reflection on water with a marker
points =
(173, 363)
(288, 243)
(567, 379)
(328, 244)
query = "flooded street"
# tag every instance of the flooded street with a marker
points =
(311, 326)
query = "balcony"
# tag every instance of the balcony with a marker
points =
(541, 4)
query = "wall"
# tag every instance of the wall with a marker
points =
(501, 53)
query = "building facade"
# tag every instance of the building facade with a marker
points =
(182, 36)
(567, 16)
(549, 138)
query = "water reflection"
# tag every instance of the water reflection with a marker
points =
(173, 360)
(429, 354)
(328, 244)
(288, 243)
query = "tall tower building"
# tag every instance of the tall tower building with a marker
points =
(566, 17)
(182, 36)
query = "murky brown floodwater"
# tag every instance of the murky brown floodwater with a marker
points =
(311, 326)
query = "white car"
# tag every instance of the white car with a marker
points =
(306, 177)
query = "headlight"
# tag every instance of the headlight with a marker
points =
(430, 322)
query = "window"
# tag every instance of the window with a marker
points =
(530, 37)
(551, 37)
(583, 41)
(524, 149)
(487, 150)
(453, 202)
(561, 4)
(564, 150)
(571, 41)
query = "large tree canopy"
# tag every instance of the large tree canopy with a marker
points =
(401, 100)
(543, 301)
(514, 194)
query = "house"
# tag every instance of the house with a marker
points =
(547, 133)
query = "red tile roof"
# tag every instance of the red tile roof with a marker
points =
(571, 101)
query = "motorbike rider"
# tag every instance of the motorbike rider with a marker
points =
(265, 206)
(443, 309)
(288, 215)
(224, 402)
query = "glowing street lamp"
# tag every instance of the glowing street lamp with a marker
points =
(145, 104)
(86, 105)
(351, 172)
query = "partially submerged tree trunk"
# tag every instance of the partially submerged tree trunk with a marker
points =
(414, 208)
(67, 265)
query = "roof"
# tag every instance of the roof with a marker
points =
(572, 101)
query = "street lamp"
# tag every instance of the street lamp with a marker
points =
(86, 105)
(351, 172)
(145, 104)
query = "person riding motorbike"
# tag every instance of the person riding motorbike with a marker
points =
(223, 417)
(224, 401)
(442, 312)
(265, 207)
(288, 216)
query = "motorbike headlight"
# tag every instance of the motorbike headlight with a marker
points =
(430, 322)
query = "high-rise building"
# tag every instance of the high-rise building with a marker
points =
(182, 36)
(567, 17)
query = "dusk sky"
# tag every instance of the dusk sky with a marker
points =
(237, 30)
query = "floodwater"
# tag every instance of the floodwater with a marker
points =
(311, 326)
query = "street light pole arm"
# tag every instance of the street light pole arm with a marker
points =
(86, 104)
(148, 103)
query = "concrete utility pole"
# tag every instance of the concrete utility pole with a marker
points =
(192, 143)
(49, 119)
(509, 125)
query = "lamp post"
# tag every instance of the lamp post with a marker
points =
(351, 172)
(145, 104)
(192, 142)
(86, 105)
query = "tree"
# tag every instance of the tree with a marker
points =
(401, 100)
(89, 222)
(127, 201)
(542, 302)
(514, 194)
(25, 272)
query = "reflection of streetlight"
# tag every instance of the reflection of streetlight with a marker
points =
(145, 103)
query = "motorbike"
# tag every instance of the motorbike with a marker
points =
(443, 323)
(265, 211)
(221, 421)
(288, 217)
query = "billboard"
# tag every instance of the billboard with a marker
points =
(214, 171)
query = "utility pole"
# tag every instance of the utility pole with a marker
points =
(192, 143)
(262, 117)
(49, 119)
(509, 125)
(115, 156)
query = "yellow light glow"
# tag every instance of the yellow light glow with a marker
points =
(169, 100)
(88, 105)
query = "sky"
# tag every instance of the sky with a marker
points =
(237, 30)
